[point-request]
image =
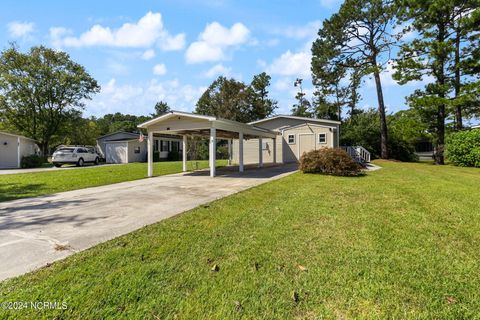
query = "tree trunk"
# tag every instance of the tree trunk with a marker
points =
(439, 157)
(458, 109)
(381, 111)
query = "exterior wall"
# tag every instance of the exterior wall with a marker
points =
(137, 157)
(250, 151)
(8, 151)
(306, 139)
(28, 147)
(164, 154)
(117, 136)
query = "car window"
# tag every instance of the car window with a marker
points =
(81, 150)
(70, 150)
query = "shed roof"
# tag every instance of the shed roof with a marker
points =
(16, 135)
(296, 118)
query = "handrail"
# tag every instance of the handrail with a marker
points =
(358, 153)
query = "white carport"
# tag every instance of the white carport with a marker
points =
(188, 124)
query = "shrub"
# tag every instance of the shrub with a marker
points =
(463, 148)
(329, 161)
(156, 156)
(32, 161)
(173, 156)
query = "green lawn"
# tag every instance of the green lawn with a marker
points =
(401, 242)
(15, 186)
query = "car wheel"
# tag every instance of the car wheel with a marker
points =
(80, 162)
(58, 165)
(96, 161)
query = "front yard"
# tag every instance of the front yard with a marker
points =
(401, 242)
(22, 185)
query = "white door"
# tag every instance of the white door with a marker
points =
(116, 152)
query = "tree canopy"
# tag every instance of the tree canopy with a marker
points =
(234, 100)
(41, 91)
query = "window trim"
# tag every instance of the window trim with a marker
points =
(322, 134)
(294, 138)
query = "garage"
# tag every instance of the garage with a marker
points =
(116, 152)
(13, 147)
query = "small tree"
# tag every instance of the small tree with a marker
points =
(41, 90)
(161, 108)
(303, 107)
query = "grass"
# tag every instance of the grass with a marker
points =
(22, 185)
(401, 242)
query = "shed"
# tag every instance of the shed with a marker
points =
(13, 147)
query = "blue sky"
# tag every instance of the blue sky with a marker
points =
(145, 51)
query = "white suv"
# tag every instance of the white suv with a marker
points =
(75, 155)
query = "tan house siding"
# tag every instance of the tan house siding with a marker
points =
(250, 150)
(306, 138)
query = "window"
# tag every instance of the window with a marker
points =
(175, 146)
(322, 138)
(136, 150)
(163, 145)
(155, 145)
(291, 139)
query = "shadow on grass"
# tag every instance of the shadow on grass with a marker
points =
(13, 191)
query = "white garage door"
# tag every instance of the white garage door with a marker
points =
(8, 152)
(116, 152)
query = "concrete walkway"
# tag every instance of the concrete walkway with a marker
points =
(37, 231)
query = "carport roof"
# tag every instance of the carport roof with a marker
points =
(225, 128)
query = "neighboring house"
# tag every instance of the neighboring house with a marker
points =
(13, 147)
(297, 135)
(476, 127)
(125, 147)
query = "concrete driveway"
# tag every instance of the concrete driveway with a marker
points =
(52, 168)
(37, 231)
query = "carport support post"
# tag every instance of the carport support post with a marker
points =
(240, 151)
(150, 153)
(260, 152)
(274, 150)
(212, 151)
(184, 153)
(229, 152)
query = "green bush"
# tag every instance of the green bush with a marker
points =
(173, 156)
(329, 161)
(156, 156)
(463, 148)
(32, 161)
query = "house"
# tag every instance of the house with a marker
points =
(476, 127)
(13, 147)
(278, 139)
(296, 136)
(126, 147)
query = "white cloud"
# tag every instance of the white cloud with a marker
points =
(174, 43)
(117, 68)
(291, 64)
(140, 98)
(214, 40)
(218, 69)
(408, 32)
(160, 69)
(18, 29)
(149, 54)
(142, 34)
(308, 31)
